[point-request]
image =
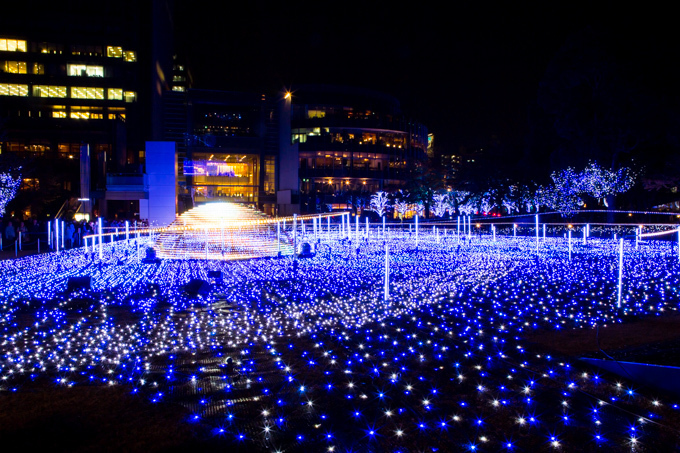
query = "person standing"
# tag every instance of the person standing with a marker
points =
(10, 233)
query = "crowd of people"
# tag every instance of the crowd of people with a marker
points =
(30, 231)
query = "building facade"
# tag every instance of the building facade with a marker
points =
(229, 147)
(79, 86)
(352, 143)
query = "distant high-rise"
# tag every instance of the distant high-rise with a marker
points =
(81, 86)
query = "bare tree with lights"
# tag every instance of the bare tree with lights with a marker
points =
(441, 204)
(603, 184)
(401, 207)
(380, 203)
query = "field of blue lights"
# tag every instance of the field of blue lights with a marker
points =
(325, 358)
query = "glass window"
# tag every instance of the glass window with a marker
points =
(177, 88)
(93, 51)
(59, 114)
(114, 52)
(15, 67)
(115, 94)
(85, 70)
(12, 45)
(13, 89)
(130, 55)
(316, 114)
(49, 91)
(130, 96)
(80, 115)
(48, 47)
(87, 93)
(38, 68)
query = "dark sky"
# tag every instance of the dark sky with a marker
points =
(468, 70)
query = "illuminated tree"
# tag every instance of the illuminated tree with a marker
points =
(379, 203)
(601, 183)
(9, 184)
(401, 207)
(487, 202)
(510, 199)
(441, 204)
(420, 209)
(563, 194)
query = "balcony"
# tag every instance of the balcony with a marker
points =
(126, 182)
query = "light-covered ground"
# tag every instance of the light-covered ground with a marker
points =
(324, 361)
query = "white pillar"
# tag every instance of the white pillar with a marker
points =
(357, 234)
(537, 232)
(101, 245)
(618, 303)
(387, 273)
(127, 231)
(416, 230)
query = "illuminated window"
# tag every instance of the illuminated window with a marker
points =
(38, 68)
(177, 88)
(13, 89)
(87, 93)
(15, 67)
(59, 114)
(12, 45)
(130, 55)
(49, 91)
(80, 115)
(115, 94)
(178, 78)
(85, 70)
(114, 52)
(48, 47)
(116, 113)
(130, 96)
(316, 114)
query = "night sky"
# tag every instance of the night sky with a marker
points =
(469, 70)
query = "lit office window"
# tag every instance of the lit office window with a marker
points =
(12, 45)
(130, 55)
(15, 67)
(38, 68)
(49, 91)
(59, 114)
(114, 52)
(87, 93)
(177, 88)
(85, 70)
(80, 115)
(130, 96)
(13, 89)
(115, 94)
